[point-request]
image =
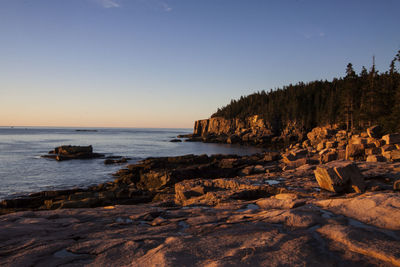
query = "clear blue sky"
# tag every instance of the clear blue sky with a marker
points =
(166, 63)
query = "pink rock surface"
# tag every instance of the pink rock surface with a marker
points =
(235, 233)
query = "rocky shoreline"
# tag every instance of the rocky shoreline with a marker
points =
(330, 200)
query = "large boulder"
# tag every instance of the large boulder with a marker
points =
(340, 176)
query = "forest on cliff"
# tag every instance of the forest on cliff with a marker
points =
(354, 101)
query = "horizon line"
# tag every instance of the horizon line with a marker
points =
(91, 127)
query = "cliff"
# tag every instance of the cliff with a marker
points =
(252, 130)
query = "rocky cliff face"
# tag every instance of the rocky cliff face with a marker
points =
(252, 130)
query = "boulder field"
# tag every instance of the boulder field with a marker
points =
(297, 207)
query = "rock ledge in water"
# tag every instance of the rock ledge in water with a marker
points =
(72, 152)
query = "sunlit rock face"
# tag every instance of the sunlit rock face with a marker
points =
(250, 130)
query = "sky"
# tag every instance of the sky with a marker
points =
(167, 63)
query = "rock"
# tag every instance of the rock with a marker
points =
(329, 156)
(321, 146)
(252, 130)
(393, 155)
(212, 192)
(355, 151)
(318, 134)
(72, 152)
(377, 208)
(342, 144)
(116, 161)
(340, 176)
(247, 170)
(184, 135)
(284, 196)
(299, 162)
(232, 235)
(175, 140)
(278, 203)
(233, 139)
(331, 144)
(375, 158)
(364, 242)
(358, 140)
(306, 143)
(341, 154)
(271, 156)
(373, 151)
(379, 143)
(299, 153)
(396, 185)
(294, 155)
(84, 203)
(68, 150)
(387, 148)
(391, 138)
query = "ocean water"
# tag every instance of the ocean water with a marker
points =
(23, 171)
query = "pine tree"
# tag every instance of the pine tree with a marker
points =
(348, 96)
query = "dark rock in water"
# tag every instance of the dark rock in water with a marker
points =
(72, 152)
(115, 160)
(176, 140)
(185, 136)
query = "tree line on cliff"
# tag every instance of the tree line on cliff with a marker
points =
(354, 101)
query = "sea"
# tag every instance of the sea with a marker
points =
(23, 170)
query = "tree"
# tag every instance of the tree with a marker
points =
(348, 96)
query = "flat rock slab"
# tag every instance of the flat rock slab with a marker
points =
(245, 233)
(378, 209)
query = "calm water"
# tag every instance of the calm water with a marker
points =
(22, 170)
